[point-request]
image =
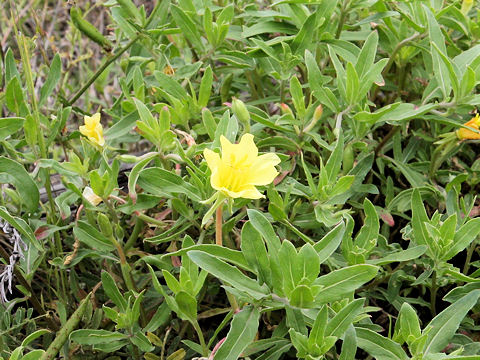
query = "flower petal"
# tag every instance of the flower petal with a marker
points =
(212, 158)
(247, 149)
(263, 170)
(248, 193)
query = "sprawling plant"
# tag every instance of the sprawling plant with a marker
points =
(236, 179)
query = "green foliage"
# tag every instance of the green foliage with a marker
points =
(365, 245)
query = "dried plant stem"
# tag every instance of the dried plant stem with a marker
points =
(33, 299)
(218, 225)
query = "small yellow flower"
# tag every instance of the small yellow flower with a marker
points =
(91, 197)
(239, 169)
(93, 129)
(466, 134)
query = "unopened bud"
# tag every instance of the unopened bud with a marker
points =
(240, 111)
(318, 113)
(104, 224)
(285, 109)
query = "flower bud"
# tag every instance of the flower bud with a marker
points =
(348, 159)
(104, 224)
(131, 159)
(318, 113)
(240, 111)
(285, 109)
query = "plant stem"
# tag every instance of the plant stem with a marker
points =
(105, 65)
(33, 299)
(470, 251)
(134, 235)
(433, 294)
(343, 16)
(218, 225)
(200, 337)
(150, 220)
(65, 331)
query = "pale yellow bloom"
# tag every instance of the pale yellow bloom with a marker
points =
(466, 134)
(91, 197)
(93, 129)
(240, 169)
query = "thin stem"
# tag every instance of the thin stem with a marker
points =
(150, 220)
(134, 235)
(433, 294)
(33, 299)
(200, 337)
(105, 65)
(343, 16)
(470, 251)
(218, 225)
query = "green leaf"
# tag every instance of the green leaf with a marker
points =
(94, 337)
(205, 87)
(52, 79)
(232, 256)
(188, 27)
(463, 237)
(303, 39)
(90, 236)
(352, 85)
(370, 228)
(400, 256)
(263, 226)
(419, 218)
(34, 335)
(437, 38)
(334, 163)
(253, 248)
(111, 289)
(443, 326)
(380, 347)
(9, 126)
(135, 173)
(242, 332)
(366, 58)
(269, 27)
(344, 318)
(330, 242)
(340, 283)
(15, 98)
(12, 172)
(297, 97)
(228, 273)
(349, 346)
(158, 181)
(22, 227)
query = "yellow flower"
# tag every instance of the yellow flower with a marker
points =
(466, 134)
(239, 169)
(93, 129)
(91, 197)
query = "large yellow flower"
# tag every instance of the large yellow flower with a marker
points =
(466, 134)
(240, 169)
(93, 129)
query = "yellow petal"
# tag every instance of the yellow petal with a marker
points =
(247, 149)
(228, 149)
(263, 170)
(83, 130)
(212, 159)
(91, 197)
(249, 193)
(92, 121)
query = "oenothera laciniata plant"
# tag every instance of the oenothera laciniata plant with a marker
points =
(269, 274)
(426, 344)
(444, 236)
